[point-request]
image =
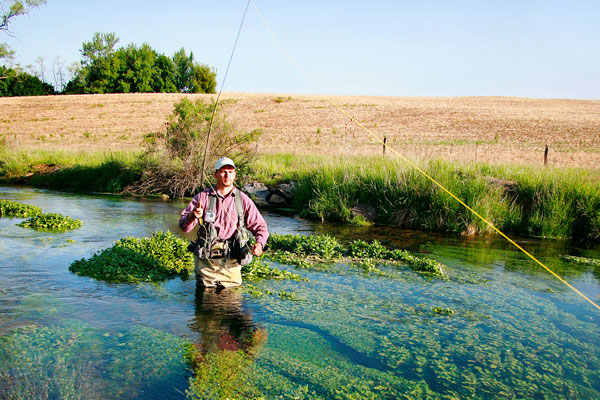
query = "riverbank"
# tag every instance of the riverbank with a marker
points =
(529, 201)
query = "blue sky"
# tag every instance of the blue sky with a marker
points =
(540, 49)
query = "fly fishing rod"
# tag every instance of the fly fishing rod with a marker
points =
(214, 111)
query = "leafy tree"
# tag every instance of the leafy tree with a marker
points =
(100, 47)
(105, 69)
(164, 75)
(204, 79)
(9, 9)
(183, 70)
(191, 77)
(140, 68)
(18, 83)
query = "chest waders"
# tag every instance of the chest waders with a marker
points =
(208, 245)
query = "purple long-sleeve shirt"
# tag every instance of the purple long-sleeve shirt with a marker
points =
(226, 215)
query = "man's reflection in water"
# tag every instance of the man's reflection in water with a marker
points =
(222, 322)
(223, 358)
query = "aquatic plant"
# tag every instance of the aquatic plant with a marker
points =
(443, 310)
(306, 250)
(46, 363)
(362, 249)
(51, 222)
(9, 208)
(320, 245)
(256, 292)
(222, 375)
(330, 378)
(159, 257)
(288, 295)
(284, 257)
(583, 260)
(260, 269)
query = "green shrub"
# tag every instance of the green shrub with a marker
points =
(195, 137)
(10, 208)
(51, 222)
(157, 258)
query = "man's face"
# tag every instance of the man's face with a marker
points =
(225, 176)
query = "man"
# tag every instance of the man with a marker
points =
(219, 268)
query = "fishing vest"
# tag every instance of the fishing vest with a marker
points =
(208, 244)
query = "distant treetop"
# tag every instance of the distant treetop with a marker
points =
(137, 69)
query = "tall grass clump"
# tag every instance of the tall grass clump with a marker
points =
(401, 195)
(558, 203)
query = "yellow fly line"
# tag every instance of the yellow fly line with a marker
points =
(377, 139)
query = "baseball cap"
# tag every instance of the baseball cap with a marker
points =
(223, 161)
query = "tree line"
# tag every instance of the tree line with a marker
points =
(106, 69)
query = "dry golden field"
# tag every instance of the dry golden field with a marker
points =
(490, 129)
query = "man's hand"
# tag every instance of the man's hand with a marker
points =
(197, 213)
(257, 249)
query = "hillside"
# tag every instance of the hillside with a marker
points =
(490, 129)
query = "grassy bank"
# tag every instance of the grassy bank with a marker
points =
(532, 201)
(87, 171)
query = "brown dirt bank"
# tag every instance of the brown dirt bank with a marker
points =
(489, 129)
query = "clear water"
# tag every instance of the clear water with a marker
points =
(516, 331)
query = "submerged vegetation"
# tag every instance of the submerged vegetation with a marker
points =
(583, 261)
(501, 328)
(76, 360)
(227, 372)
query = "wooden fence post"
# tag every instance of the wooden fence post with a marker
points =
(384, 141)
(546, 156)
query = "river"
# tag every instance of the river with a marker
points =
(499, 327)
